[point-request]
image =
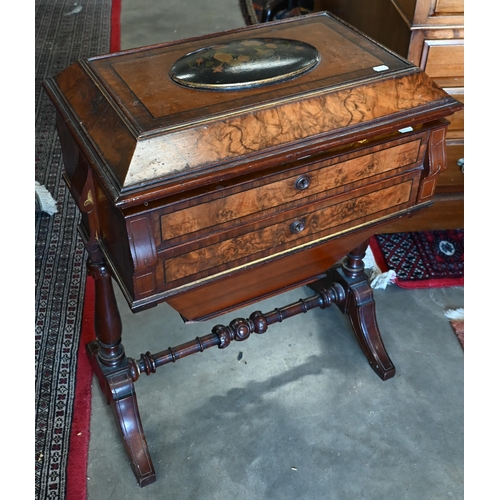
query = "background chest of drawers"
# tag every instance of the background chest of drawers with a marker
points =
(430, 33)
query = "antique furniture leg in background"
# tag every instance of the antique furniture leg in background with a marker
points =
(111, 367)
(360, 307)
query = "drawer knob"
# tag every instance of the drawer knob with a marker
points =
(461, 164)
(302, 182)
(297, 226)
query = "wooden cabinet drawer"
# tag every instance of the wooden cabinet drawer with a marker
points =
(449, 6)
(294, 187)
(288, 231)
(431, 12)
(443, 58)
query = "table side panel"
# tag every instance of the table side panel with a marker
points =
(456, 127)
(92, 116)
(451, 179)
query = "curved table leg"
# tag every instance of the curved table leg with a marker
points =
(108, 361)
(360, 307)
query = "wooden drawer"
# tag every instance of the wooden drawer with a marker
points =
(449, 7)
(287, 231)
(243, 222)
(443, 58)
(311, 181)
(431, 12)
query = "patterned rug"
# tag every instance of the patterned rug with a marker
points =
(427, 259)
(65, 30)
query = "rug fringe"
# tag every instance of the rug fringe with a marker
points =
(378, 279)
(455, 314)
(44, 199)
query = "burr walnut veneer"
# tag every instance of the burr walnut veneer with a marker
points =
(430, 33)
(214, 198)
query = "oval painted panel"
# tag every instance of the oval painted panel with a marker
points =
(244, 64)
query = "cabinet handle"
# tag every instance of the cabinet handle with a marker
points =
(302, 182)
(461, 164)
(297, 226)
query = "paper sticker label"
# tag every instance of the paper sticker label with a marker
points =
(383, 67)
(406, 129)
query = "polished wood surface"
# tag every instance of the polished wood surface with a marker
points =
(153, 116)
(430, 33)
(211, 200)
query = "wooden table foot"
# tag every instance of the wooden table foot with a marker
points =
(118, 388)
(359, 305)
(110, 365)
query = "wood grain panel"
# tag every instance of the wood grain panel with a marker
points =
(443, 58)
(260, 130)
(329, 174)
(147, 76)
(279, 235)
(90, 107)
(451, 179)
(447, 212)
(264, 280)
(427, 12)
(449, 6)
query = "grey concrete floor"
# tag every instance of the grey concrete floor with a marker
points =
(296, 413)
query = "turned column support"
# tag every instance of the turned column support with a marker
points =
(110, 365)
(107, 321)
(353, 265)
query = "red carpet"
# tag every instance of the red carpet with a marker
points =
(114, 43)
(428, 259)
(76, 486)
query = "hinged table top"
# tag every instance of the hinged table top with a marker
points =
(143, 129)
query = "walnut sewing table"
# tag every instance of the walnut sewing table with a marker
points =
(217, 171)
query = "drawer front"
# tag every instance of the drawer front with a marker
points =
(294, 188)
(449, 7)
(443, 58)
(428, 12)
(322, 220)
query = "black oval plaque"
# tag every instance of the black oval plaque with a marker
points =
(244, 64)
